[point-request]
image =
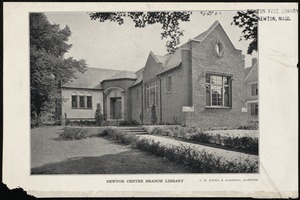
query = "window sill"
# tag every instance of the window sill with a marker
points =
(217, 107)
(82, 108)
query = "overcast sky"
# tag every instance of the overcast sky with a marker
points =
(109, 45)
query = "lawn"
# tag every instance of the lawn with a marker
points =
(91, 156)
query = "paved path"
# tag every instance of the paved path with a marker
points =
(226, 154)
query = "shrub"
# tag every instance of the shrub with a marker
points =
(128, 123)
(153, 114)
(98, 115)
(198, 161)
(245, 144)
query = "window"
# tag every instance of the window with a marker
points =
(89, 103)
(254, 89)
(74, 100)
(254, 108)
(151, 94)
(81, 101)
(169, 83)
(218, 90)
(84, 100)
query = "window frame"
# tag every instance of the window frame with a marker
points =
(254, 89)
(222, 86)
(87, 96)
(74, 95)
(169, 83)
(254, 109)
(153, 85)
(82, 100)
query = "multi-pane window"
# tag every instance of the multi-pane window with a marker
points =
(74, 100)
(254, 108)
(89, 101)
(82, 100)
(151, 94)
(254, 89)
(169, 83)
(218, 90)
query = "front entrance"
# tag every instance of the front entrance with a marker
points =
(115, 104)
(116, 108)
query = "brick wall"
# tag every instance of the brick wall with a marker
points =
(136, 102)
(152, 68)
(203, 61)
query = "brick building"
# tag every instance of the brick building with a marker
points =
(200, 84)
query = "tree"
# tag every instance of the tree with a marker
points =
(248, 20)
(48, 67)
(170, 22)
(153, 114)
(98, 115)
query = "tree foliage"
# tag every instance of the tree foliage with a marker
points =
(48, 67)
(248, 20)
(170, 22)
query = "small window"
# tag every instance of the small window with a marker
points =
(254, 109)
(74, 101)
(81, 101)
(169, 83)
(89, 101)
(254, 89)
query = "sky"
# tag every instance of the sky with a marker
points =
(125, 47)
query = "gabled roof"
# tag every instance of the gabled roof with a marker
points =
(250, 70)
(91, 78)
(247, 70)
(122, 75)
(170, 61)
(139, 79)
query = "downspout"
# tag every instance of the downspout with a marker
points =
(160, 99)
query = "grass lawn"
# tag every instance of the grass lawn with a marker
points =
(91, 156)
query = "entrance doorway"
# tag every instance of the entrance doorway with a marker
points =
(116, 108)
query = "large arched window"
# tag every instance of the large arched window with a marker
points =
(89, 103)
(74, 100)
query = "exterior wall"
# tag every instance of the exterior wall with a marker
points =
(203, 61)
(172, 102)
(80, 113)
(136, 103)
(151, 69)
(252, 78)
(123, 84)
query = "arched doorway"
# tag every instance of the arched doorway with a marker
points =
(115, 104)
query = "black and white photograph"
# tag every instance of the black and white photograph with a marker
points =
(152, 97)
(144, 92)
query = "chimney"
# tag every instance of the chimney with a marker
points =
(254, 61)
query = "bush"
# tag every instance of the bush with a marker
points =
(129, 123)
(245, 144)
(77, 133)
(198, 161)
(98, 115)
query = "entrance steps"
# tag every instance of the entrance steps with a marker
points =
(137, 130)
